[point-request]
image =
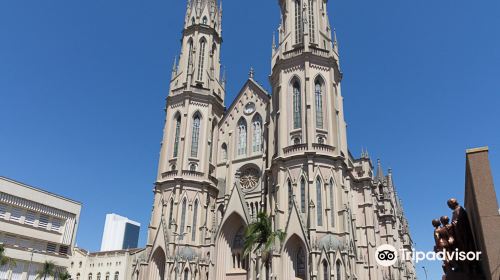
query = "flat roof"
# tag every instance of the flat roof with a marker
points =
(39, 190)
(477, 150)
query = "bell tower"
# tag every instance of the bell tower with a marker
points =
(186, 188)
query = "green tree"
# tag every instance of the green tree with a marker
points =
(63, 275)
(260, 235)
(48, 270)
(3, 258)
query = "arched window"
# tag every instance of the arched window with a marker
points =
(192, 21)
(332, 205)
(257, 134)
(326, 272)
(297, 106)
(107, 275)
(339, 271)
(290, 195)
(319, 205)
(177, 135)
(224, 151)
(195, 136)
(205, 21)
(242, 137)
(298, 22)
(186, 274)
(195, 220)
(303, 195)
(311, 21)
(170, 213)
(90, 276)
(78, 276)
(190, 52)
(117, 275)
(318, 90)
(201, 59)
(98, 276)
(183, 218)
(300, 272)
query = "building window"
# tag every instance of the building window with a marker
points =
(224, 151)
(90, 276)
(303, 195)
(43, 221)
(332, 205)
(193, 167)
(190, 53)
(319, 204)
(63, 250)
(183, 219)
(195, 220)
(311, 21)
(16, 214)
(301, 264)
(51, 247)
(192, 21)
(290, 195)
(257, 134)
(177, 135)
(3, 211)
(339, 271)
(318, 89)
(107, 276)
(205, 20)
(117, 275)
(195, 135)
(186, 274)
(56, 224)
(171, 212)
(297, 106)
(201, 59)
(321, 140)
(242, 137)
(298, 22)
(78, 276)
(296, 140)
(326, 273)
(30, 218)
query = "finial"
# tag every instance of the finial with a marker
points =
(251, 73)
(380, 172)
(274, 40)
(174, 67)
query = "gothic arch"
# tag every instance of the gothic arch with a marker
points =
(229, 249)
(157, 265)
(294, 259)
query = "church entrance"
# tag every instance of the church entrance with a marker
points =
(231, 263)
(295, 259)
(157, 265)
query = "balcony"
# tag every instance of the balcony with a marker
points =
(323, 148)
(295, 149)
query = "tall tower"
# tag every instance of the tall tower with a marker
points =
(309, 163)
(186, 187)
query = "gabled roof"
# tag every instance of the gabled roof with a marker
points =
(250, 83)
(236, 204)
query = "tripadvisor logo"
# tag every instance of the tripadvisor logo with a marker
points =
(387, 255)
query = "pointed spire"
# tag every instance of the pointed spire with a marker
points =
(274, 44)
(224, 77)
(251, 74)
(380, 171)
(174, 67)
(389, 178)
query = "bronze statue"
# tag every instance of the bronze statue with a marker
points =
(461, 227)
(436, 223)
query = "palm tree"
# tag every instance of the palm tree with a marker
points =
(63, 275)
(260, 234)
(48, 269)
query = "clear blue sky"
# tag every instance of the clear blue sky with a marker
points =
(83, 84)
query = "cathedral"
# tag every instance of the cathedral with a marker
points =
(283, 153)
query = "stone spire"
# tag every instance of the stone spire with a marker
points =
(380, 171)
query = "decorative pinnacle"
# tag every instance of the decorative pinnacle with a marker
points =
(251, 74)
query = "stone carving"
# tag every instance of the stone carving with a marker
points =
(249, 178)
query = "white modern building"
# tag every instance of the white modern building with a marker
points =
(119, 233)
(283, 152)
(35, 226)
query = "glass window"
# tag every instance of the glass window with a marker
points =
(298, 22)
(297, 106)
(290, 195)
(56, 224)
(318, 89)
(326, 273)
(257, 134)
(301, 264)
(51, 247)
(205, 20)
(43, 221)
(303, 195)
(183, 219)
(332, 201)
(201, 60)
(312, 26)
(16, 214)
(195, 220)
(339, 271)
(242, 137)
(319, 204)
(224, 151)
(195, 135)
(177, 135)
(117, 275)
(170, 213)
(30, 218)
(3, 210)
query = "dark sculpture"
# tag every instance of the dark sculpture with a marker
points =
(454, 236)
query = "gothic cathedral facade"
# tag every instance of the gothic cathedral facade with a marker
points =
(284, 153)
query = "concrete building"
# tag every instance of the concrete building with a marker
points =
(285, 154)
(119, 233)
(35, 226)
(111, 265)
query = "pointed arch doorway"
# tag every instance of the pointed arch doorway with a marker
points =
(231, 264)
